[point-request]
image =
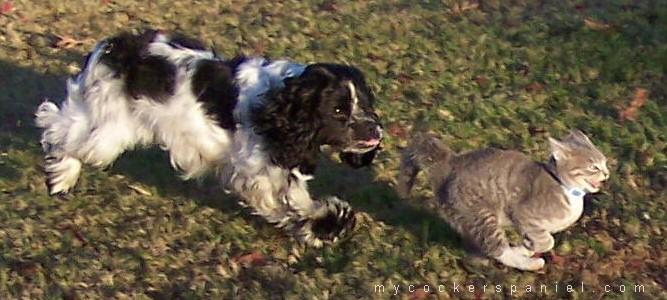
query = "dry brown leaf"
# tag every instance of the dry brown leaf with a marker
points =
(420, 294)
(329, 6)
(76, 232)
(398, 131)
(6, 7)
(535, 87)
(595, 25)
(404, 78)
(139, 190)
(68, 42)
(250, 259)
(634, 265)
(557, 259)
(459, 8)
(640, 98)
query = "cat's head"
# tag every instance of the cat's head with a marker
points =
(578, 162)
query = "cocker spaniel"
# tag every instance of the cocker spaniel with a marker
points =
(257, 124)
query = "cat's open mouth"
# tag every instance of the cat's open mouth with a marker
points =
(594, 184)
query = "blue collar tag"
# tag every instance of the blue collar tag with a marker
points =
(573, 191)
(577, 192)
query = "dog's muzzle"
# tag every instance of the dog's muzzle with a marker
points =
(366, 136)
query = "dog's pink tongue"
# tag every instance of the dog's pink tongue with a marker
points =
(371, 142)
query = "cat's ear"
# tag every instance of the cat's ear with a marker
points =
(559, 150)
(577, 136)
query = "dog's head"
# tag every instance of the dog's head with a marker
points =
(327, 104)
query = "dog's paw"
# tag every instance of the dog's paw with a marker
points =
(61, 173)
(331, 221)
(338, 220)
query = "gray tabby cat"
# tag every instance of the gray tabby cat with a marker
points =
(481, 192)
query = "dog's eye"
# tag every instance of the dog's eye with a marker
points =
(339, 111)
(108, 48)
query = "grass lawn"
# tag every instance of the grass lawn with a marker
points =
(490, 73)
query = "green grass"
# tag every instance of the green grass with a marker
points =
(505, 74)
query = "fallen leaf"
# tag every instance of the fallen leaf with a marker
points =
(139, 190)
(374, 57)
(595, 25)
(459, 8)
(557, 259)
(6, 7)
(68, 42)
(479, 294)
(552, 257)
(76, 232)
(482, 80)
(535, 87)
(398, 131)
(420, 294)
(634, 265)
(640, 98)
(259, 48)
(250, 259)
(329, 6)
(404, 78)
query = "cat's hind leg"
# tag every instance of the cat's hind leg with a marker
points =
(485, 231)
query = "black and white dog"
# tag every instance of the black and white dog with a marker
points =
(257, 124)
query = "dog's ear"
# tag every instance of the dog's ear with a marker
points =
(358, 160)
(314, 78)
(289, 120)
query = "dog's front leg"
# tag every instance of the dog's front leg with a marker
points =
(288, 204)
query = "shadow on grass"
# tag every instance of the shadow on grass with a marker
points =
(25, 89)
(380, 200)
(22, 90)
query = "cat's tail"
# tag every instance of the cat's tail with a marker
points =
(425, 152)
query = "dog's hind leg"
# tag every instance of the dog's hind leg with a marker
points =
(64, 129)
(83, 131)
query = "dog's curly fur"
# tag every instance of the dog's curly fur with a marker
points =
(258, 124)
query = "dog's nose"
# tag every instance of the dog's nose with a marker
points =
(366, 130)
(379, 131)
(375, 132)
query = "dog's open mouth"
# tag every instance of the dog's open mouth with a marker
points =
(363, 146)
(369, 143)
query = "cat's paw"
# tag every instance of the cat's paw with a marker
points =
(539, 242)
(523, 250)
(544, 245)
(516, 258)
(533, 264)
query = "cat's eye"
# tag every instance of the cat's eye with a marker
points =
(593, 168)
(339, 112)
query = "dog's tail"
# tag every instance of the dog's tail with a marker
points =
(425, 152)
